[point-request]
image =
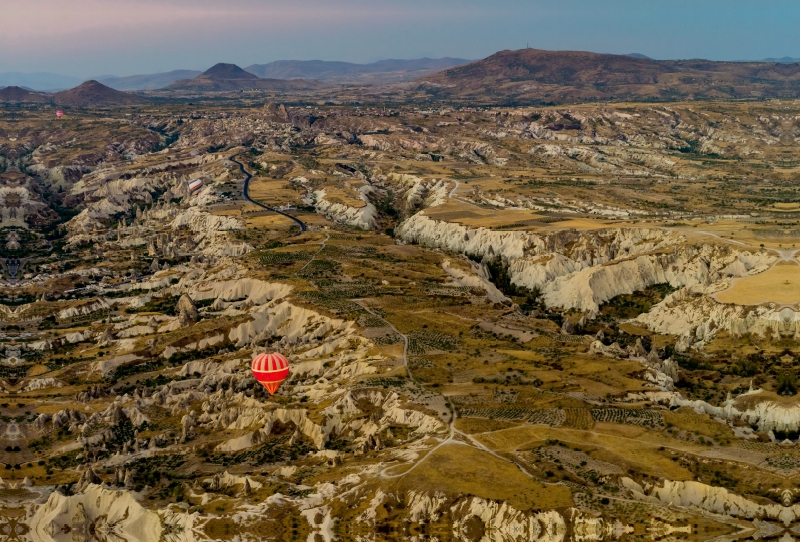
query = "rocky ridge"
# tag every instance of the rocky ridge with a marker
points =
(581, 270)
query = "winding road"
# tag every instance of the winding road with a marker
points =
(246, 194)
(453, 191)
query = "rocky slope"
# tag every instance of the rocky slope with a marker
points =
(14, 94)
(582, 270)
(532, 75)
(93, 94)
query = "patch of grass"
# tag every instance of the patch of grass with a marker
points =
(458, 469)
(472, 426)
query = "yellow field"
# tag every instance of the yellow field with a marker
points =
(475, 217)
(586, 224)
(472, 426)
(459, 469)
(269, 220)
(687, 419)
(781, 284)
(346, 194)
(738, 233)
(623, 445)
(273, 192)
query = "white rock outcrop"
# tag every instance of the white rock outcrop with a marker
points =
(583, 269)
(718, 500)
(364, 216)
(477, 279)
(95, 509)
(502, 521)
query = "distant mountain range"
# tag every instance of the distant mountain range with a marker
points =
(38, 81)
(228, 77)
(531, 76)
(526, 76)
(783, 60)
(149, 82)
(88, 94)
(382, 71)
(14, 94)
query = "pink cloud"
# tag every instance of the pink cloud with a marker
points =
(125, 36)
(54, 18)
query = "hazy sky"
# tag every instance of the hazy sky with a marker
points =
(123, 37)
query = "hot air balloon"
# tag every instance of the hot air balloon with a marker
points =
(270, 370)
(59, 114)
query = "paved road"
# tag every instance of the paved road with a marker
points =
(246, 194)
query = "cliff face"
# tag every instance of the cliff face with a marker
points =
(476, 279)
(363, 217)
(95, 510)
(583, 269)
(504, 522)
(754, 408)
(711, 499)
(451, 236)
(419, 193)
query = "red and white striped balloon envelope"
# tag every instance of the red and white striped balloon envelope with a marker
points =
(270, 370)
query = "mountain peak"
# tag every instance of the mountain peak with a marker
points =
(19, 94)
(90, 93)
(538, 76)
(91, 84)
(227, 71)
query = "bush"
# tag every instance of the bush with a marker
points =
(787, 383)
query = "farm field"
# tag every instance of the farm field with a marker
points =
(780, 284)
